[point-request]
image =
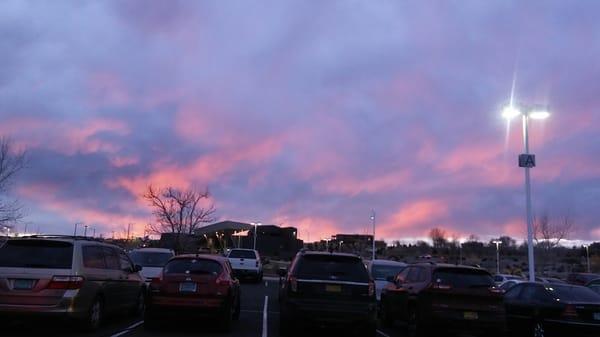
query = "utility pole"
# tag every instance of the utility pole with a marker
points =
(128, 230)
(373, 220)
(85, 227)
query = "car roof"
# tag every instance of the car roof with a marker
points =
(217, 258)
(319, 253)
(248, 249)
(387, 263)
(152, 250)
(446, 266)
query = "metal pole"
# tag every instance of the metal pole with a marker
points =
(497, 258)
(85, 230)
(528, 203)
(460, 252)
(255, 233)
(75, 231)
(587, 250)
(373, 220)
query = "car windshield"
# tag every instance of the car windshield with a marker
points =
(242, 254)
(193, 266)
(382, 272)
(36, 254)
(332, 267)
(463, 278)
(150, 259)
(573, 294)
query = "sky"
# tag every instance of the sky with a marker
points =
(304, 113)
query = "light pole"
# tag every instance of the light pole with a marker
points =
(85, 227)
(373, 220)
(587, 254)
(497, 242)
(255, 232)
(527, 161)
(341, 242)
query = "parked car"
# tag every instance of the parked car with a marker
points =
(246, 263)
(509, 284)
(594, 285)
(429, 298)
(539, 310)
(381, 271)
(73, 277)
(549, 280)
(152, 261)
(500, 278)
(581, 278)
(193, 285)
(327, 288)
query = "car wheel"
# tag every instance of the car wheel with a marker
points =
(538, 329)
(95, 314)
(140, 304)
(226, 318)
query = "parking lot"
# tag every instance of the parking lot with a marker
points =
(259, 317)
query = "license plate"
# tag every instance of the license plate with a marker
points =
(187, 287)
(333, 288)
(23, 284)
(597, 316)
(471, 315)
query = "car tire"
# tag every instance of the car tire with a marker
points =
(226, 319)
(94, 316)
(139, 305)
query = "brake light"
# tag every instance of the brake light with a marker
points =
(66, 282)
(371, 288)
(570, 311)
(293, 284)
(223, 282)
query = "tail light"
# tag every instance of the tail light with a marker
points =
(256, 263)
(155, 283)
(570, 311)
(495, 290)
(223, 282)
(66, 282)
(293, 284)
(371, 288)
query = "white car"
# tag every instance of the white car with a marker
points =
(152, 260)
(246, 263)
(381, 271)
(500, 278)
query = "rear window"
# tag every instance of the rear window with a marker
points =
(382, 272)
(332, 267)
(36, 254)
(463, 278)
(574, 294)
(193, 266)
(242, 254)
(150, 259)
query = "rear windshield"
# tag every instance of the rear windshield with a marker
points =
(332, 267)
(150, 259)
(193, 266)
(463, 278)
(242, 254)
(574, 294)
(36, 254)
(382, 272)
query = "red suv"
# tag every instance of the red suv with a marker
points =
(431, 298)
(193, 285)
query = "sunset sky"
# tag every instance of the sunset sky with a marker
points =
(305, 113)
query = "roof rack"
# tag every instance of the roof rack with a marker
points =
(58, 236)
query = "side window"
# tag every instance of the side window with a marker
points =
(422, 275)
(413, 275)
(126, 264)
(93, 257)
(112, 258)
(403, 276)
(497, 278)
(528, 293)
(513, 293)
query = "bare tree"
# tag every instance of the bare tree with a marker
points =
(548, 234)
(178, 211)
(438, 237)
(11, 162)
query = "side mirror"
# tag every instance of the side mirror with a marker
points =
(137, 268)
(282, 272)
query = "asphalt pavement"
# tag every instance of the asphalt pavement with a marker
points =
(259, 318)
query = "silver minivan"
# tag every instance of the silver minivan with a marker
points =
(72, 277)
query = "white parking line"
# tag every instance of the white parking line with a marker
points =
(382, 333)
(128, 329)
(265, 314)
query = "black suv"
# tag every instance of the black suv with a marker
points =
(430, 297)
(327, 288)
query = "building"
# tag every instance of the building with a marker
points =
(361, 244)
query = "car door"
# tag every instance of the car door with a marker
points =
(97, 271)
(130, 279)
(112, 282)
(522, 309)
(395, 296)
